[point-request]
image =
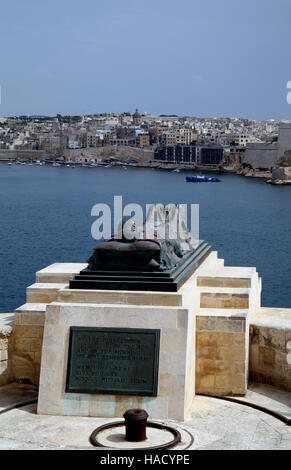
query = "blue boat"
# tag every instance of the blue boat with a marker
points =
(201, 179)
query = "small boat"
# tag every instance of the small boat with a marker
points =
(9, 163)
(176, 170)
(201, 179)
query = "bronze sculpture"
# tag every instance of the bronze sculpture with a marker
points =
(159, 255)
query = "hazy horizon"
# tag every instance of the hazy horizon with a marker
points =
(192, 58)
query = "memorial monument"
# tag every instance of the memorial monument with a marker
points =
(130, 260)
(146, 324)
(110, 356)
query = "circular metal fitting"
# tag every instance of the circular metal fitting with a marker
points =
(177, 436)
(135, 425)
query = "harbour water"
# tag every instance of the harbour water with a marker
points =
(45, 217)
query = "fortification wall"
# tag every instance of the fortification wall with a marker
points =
(22, 154)
(284, 139)
(261, 155)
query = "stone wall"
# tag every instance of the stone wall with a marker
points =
(6, 323)
(284, 138)
(27, 345)
(22, 154)
(270, 347)
(266, 156)
(221, 355)
(261, 155)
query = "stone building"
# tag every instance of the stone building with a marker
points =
(136, 117)
(143, 140)
(189, 154)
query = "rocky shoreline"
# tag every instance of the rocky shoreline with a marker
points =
(276, 176)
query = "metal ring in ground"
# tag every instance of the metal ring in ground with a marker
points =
(269, 411)
(177, 436)
(18, 405)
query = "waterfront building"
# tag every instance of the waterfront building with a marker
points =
(181, 136)
(189, 154)
(93, 140)
(208, 155)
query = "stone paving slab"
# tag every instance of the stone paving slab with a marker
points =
(268, 396)
(16, 393)
(215, 424)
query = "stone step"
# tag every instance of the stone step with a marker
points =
(210, 262)
(59, 272)
(219, 263)
(224, 298)
(43, 292)
(30, 314)
(170, 299)
(227, 276)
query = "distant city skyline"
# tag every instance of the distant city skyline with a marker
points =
(169, 115)
(190, 58)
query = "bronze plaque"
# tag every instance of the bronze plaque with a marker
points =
(121, 361)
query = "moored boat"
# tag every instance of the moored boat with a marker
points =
(201, 179)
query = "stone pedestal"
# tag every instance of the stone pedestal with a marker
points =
(176, 374)
(204, 336)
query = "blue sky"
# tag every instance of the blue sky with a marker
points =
(187, 57)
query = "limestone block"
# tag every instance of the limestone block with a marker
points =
(3, 343)
(59, 272)
(43, 292)
(206, 382)
(223, 282)
(269, 335)
(221, 300)
(176, 386)
(119, 297)
(6, 339)
(4, 355)
(3, 368)
(221, 353)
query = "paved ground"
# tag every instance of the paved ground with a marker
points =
(215, 424)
